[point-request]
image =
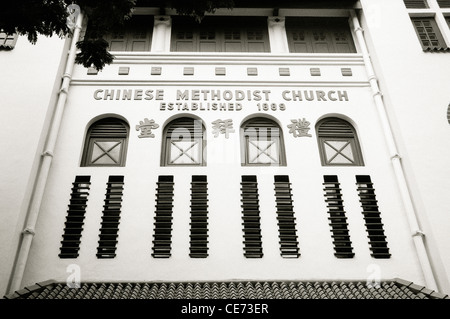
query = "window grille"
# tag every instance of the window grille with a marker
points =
(199, 217)
(262, 143)
(319, 35)
(336, 215)
(285, 216)
(428, 33)
(7, 41)
(338, 143)
(106, 143)
(250, 217)
(134, 35)
(162, 237)
(220, 34)
(183, 143)
(372, 217)
(111, 218)
(416, 4)
(70, 245)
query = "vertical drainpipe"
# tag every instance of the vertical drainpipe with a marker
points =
(47, 156)
(416, 233)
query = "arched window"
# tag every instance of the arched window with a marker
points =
(262, 143)
(338, 143)
(183, 143)
(106, 143)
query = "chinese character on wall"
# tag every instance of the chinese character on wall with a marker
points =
(146, 128)
(299, 128)
(223, 127)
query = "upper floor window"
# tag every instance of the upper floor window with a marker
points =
(262, 143)
(7, 41)
(183, 143)
(319, 35)
(134, 35)
(416, 4)
(220, 34)
(428, 32)
(338, 143)
(106, 143)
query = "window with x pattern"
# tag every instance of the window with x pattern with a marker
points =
(183, 143)
(106, 143)
(262, 143)
(338, 143)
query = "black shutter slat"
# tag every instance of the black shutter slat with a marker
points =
(250, 217)
(336, 215)
(162, 236)
(285, 216)
(199, 217)
(372, 217)
(70, 244)
(110, 218)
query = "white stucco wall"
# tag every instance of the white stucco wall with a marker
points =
(415, 89)
(408, 82)
(27, 90)
(225, 260)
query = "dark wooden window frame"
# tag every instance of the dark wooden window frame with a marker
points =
(219, 31)
(128, 31)
(194, 136)
(416, 4)
(8, 41)
(247, 134)
(428, 33)
(331, 30)
(115, 130)
(335, 135)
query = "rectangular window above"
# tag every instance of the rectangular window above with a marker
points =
(220, 34)
(319, 35)
(429, 34)
(7, 41)
(134, 35)
(416, 4)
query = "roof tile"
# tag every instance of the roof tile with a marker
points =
(394, 289)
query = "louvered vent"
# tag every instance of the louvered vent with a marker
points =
(250, 217)
(285, 216)
(185, 126)
(70, 244)
(109, 127)
(111, 218)
(335, 127)
(444, 3)
(199, 217)
(374, 225)
(416, 4)
(106, 143)
(336, 215)
(162, 237)
(338, 143)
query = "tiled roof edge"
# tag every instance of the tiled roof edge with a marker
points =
(437, 49)
(417, 289)
(30, 289)
(420, 289)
